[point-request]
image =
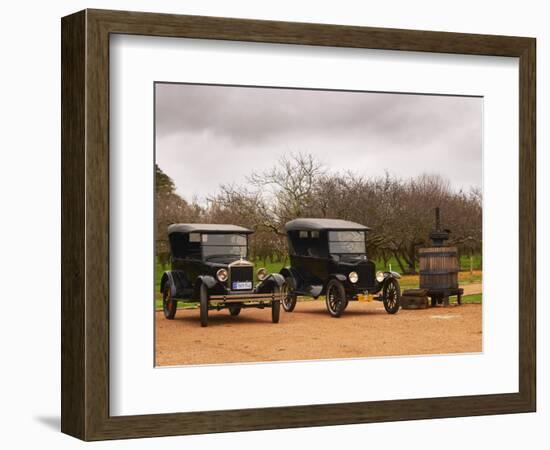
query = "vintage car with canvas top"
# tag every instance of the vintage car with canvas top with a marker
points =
(209, 265)
(328, 257)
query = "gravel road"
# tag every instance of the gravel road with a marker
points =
(364, 330)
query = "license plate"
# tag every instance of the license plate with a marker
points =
(365, 297)
(241, 285)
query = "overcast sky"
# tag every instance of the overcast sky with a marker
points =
(212, 135)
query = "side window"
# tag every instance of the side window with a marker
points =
(308, 243)
(177, 245)
(184, 246)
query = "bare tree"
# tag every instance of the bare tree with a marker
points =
(400, 212)
(288, 188)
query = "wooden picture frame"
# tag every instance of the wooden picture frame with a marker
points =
(85, 224)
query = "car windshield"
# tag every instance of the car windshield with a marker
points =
(224, 245)
(346, 242)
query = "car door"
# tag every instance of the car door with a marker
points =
(311, 260)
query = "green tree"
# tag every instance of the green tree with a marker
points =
(169, 208)
(163, 183)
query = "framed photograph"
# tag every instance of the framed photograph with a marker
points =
(273, 225)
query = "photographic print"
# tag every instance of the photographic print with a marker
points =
(306, 224)
(318, 223)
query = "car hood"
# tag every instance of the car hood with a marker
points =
(352, 260)
(221, 261)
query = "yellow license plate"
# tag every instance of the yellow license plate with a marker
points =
(365, 297)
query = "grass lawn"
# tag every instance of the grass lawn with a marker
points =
(181, 305)
(464, 263)
(470, 299)
(476, 298)
(412, 281)
(407, 281)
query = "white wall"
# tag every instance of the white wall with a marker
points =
(30, 214)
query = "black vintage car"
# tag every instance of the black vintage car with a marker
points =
(328, 256)
(210, 266)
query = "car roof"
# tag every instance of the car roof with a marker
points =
(323, 224)
(207, 228)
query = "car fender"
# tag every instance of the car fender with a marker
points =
(208, 280)
(289, 272)
(391, 274)
(273, 279)
(388, 276)
(177, 279)
(338, 276)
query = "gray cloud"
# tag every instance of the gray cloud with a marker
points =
(207, 135)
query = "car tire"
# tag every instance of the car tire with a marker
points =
(234, 310)
(336, 298)
(169, 304)
(289, 297)
(392, 296)
(204, 305)
(275, 309)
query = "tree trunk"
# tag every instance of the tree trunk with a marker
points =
(409, 257)
(401, 267)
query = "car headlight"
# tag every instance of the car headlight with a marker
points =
(222, 275)
(353, 277)
(379, 276)
(262, 274)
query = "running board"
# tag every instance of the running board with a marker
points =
(314, 291)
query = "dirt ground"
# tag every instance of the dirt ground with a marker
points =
(471, 289)
(365, 329)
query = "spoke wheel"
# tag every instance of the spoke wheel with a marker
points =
(392, 296)
(288, 296)
(336, 298)
(169, 304)
(204, 305)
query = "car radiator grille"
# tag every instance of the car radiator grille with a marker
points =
(366, 272)
(240, 274)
